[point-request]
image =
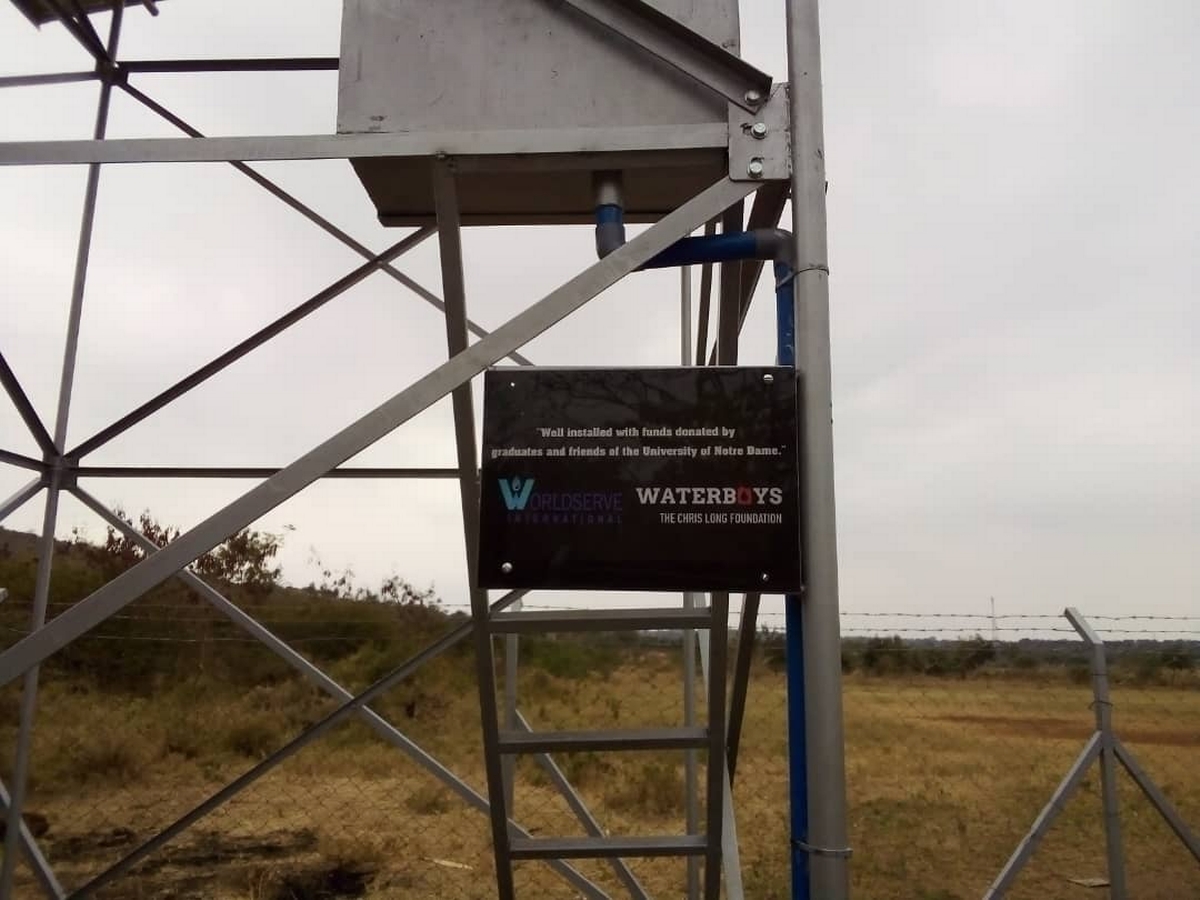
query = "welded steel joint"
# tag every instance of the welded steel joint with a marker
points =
(759, 142)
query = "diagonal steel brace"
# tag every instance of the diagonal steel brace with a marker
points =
(657, 33)
(350, 441)
(308, 213)
(41, 868)
(314, 674)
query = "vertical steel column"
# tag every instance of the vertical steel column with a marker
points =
(747, 628)
(731, 859)
(685, 316)
(512, 720)
(729, 298)
(453, 288)
(718, 781)
(20, 776)
(706, 278)
(41, 596)
(826, 845)
(1102, 706)
(690, 758)
(714, 646)
(797, 727)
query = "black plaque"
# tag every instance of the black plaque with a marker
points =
(640, 479)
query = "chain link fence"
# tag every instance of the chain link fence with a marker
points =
(958, 730)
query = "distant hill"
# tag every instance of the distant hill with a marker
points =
(174, 630)
(18, 541)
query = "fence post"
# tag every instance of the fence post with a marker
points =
(1102, 706)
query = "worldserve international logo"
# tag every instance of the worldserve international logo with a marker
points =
(529, 507)
(516, 492)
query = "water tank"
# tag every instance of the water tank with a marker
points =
(546, 71)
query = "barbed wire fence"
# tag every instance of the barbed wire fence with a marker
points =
(958, 729)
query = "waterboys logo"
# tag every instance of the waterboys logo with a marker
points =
(710, 496)
(541, 507)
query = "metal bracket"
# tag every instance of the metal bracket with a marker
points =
(67, 470)
(760, 146)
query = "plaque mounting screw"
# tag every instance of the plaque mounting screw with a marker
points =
(768, 378)
(755, 169)
(512, 384)
(506, 568)
(765, 577)
(753, 97)
(759, 130)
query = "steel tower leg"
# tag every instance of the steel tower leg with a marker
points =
(21, 763)
(826, 843)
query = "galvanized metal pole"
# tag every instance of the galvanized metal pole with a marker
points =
(41, 595)
(731, 854)
(445, 194)
(685, 316)
(690, 760)
(826, 843)
(512, 720)
(20, 776)
(1102, 706)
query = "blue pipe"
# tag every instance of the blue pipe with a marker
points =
(785, 318)
(763, 243)
(610, 228)
(694, 251)
(775, 245)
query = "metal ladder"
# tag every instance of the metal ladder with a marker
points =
(510, 846)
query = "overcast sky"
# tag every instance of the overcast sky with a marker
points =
(1013, 226)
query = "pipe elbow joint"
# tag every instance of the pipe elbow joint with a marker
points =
(610, 233)
(776, 244)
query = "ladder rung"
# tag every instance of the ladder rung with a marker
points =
(627, 739)
(560, 620)
(596, 848)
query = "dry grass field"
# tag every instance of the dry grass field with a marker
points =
(945, 775)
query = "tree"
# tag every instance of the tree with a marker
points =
(243, 560)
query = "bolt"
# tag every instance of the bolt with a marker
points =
(512, 384)
(753, 97)
(759, 130)
(765, 577)
(768, 378)
(506, 568)
(755, 169)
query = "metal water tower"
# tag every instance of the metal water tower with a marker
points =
(500, 112)
(559, 79)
